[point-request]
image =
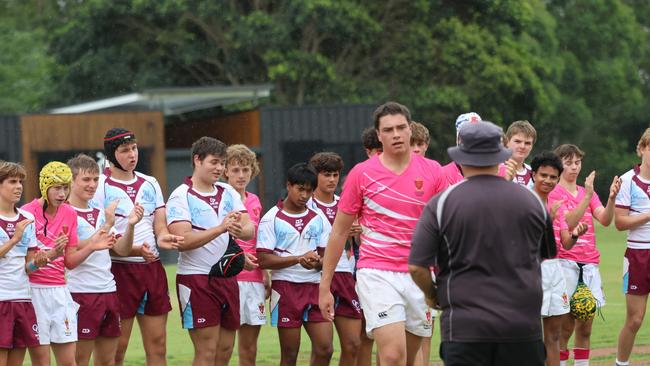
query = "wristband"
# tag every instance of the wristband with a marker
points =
(32, 267)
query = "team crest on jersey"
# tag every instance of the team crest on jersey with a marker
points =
(260, 307)
(299, 224)
(419, 183)
(131, 192)
(330, 213)
(11, 229)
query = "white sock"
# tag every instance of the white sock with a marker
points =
(563, 363)
(581, 362)
(622, 363)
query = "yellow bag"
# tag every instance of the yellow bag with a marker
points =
(583, 303)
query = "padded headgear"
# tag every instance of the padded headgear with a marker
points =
(113, 139)
(53, 173)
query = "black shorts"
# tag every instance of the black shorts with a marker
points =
(493, 354)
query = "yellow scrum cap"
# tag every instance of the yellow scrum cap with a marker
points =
(52, 174)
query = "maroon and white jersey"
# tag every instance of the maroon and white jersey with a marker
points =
(285, 234)
(635, 196)
(143, 189)
(328, 210)
(94, 274)
(522, 177)
(14, 283)
(204, 211)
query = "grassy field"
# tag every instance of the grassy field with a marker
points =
(605, 331)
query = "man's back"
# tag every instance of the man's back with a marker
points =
(487, 248)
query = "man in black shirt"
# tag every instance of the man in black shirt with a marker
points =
(486, 236)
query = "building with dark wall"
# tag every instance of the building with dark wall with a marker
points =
(10, 149)
(290, 135)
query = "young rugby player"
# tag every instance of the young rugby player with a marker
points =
(420, 138)
(206, 213)
(520, 138)
(254, 283)
(580, 205)
(347, 311)
(289, 236)
(18, 257)
(140, 278)
(388, 193)
(92, 284)
(56, 232)
(633, 213)
(452, 170)
(546, 169)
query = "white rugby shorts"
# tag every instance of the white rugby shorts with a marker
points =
(252, 309)
(56, 314)
(590, 275)
(389, 297)
(556, 299)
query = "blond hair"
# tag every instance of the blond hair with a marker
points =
(644, 141)
(419, 133)
(523, 127)
(243, 156)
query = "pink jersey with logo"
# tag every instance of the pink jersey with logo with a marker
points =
(452, 173)
(585, 250)
(388, 206)
(65, 221)
(254, 208)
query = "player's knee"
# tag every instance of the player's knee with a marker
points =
(323, 351)
(634, 323)
(352, 345)
(289, 354)
(393, 356)
(248, 349)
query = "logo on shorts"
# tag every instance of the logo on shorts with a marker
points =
(565, 298)
(260, 307)
(285, 320)
(85, 331)
(200, 320)
(35, 327)
(419, 183)
(382, 315)
(68, 332)
(357, 306)
(633, 287)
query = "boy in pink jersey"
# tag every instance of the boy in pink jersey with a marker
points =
(18, 257)
(140, 277)
(206, 213)
(520, 138)
(579, 205)
(387, 192)
(254, 283)
(56, 231)
(633, 214)
(92, 284)
(452, 170)
(328, 166)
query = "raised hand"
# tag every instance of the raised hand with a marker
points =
(511, 169)
(59, 245)
(109, 213)
(20, 229)
(169, 241)
(614, 188)
(103, 240)
(589, 183)
(40, 258)
(554, 207)
(580, 229)
(136, 214)
(309, 260)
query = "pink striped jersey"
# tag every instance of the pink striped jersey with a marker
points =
(635, 197)
(523, 177)
(452, 173)
(585, 250)
(388, 206)
(65, 221)
(254, 208)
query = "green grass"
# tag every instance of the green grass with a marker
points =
(605, 332)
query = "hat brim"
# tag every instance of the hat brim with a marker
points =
(478, 159)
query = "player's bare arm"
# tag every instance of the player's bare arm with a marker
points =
(272, 261)
(15, 239)
(124, 244)
(333, 251)
(242, 227)
(74, 256)
(570, 238)
(164, 239)
(605, 215)
(196, 239)
(422, 277)
(624, 221)
(574, 216)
